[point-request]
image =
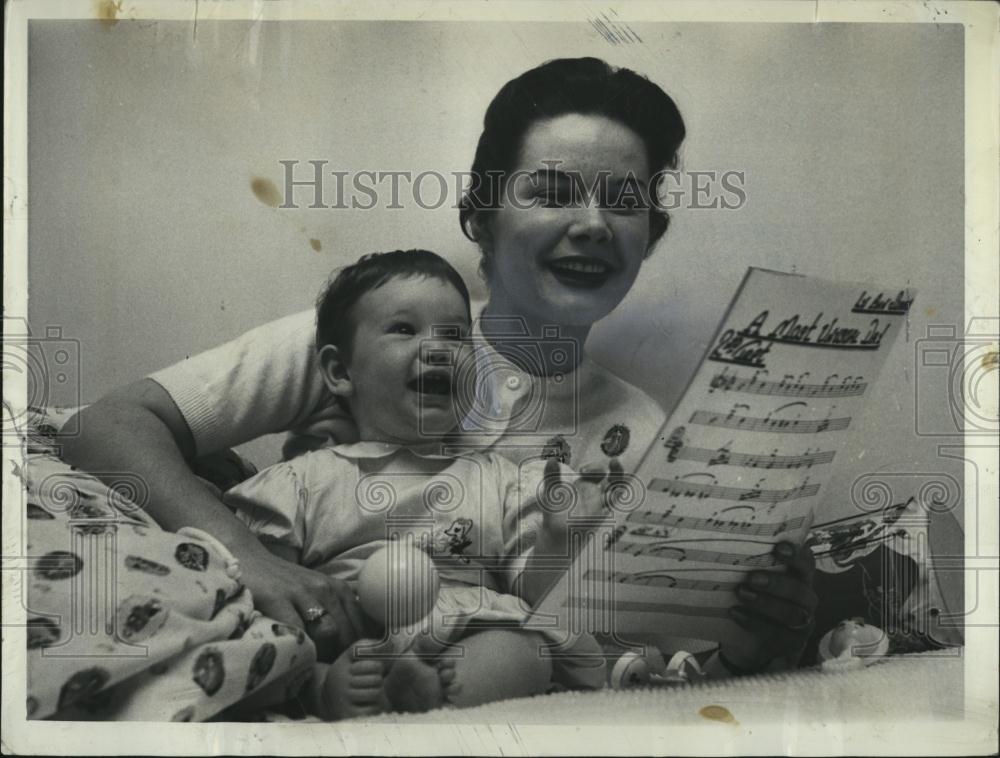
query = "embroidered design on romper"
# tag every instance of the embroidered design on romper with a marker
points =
(616, 440)
(458, 537)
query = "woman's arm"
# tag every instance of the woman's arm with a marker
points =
(139, 429)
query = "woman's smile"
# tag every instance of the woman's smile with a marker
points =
(580, 271)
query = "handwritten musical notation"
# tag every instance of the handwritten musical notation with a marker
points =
(732, 420)
(788, 386)
(681, 488)
(656, 523)
(725, 456)
(745, 456)
(671, 549)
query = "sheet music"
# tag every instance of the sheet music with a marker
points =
(740, 464)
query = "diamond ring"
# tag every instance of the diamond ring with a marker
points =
(314, 614)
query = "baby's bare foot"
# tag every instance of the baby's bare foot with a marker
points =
(419, 680)
(354, 686)
(450, 685)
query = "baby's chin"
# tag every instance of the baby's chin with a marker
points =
(430, 443)
(430, 433)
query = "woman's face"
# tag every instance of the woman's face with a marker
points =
(567, 243)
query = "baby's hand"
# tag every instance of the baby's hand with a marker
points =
(582, 500)
(575, 508)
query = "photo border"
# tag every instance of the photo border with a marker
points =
(975, 734)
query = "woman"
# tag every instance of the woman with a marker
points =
(561, 208)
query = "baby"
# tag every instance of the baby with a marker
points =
(391, 335)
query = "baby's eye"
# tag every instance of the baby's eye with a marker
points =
(449, 332)
(402, 327)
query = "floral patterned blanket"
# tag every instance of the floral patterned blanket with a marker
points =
(126, 621)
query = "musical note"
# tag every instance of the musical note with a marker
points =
(788, 386)
(762, 529)
(674, 443)
(680, 554)
(651, 531)
(724, 456)
(768, 424)
(721, 456)
(677, 488)
(754, 493)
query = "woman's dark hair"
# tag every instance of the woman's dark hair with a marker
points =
(572, 85)
(334, 323)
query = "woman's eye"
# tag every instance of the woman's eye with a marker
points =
(623, 209)
(402, 327)
(627, 201)
(556, 197)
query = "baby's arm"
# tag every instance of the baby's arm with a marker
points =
(274, 507)
(559, 516)
(269, 505)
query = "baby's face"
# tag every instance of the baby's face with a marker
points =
(408, 344)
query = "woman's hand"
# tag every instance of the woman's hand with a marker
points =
(325, 607)
(777, 608)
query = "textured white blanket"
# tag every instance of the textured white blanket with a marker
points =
(915, 687)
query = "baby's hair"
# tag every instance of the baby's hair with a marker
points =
(334, 322)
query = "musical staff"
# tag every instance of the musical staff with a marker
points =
(787, 386)
(659, 579)
(723, 456)
(671, 550)
(768, 424)
(651, 522)
(682, 488)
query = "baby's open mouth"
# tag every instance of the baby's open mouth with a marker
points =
(580, 271)
(432, 382)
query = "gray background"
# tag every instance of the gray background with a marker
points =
(147, 243)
